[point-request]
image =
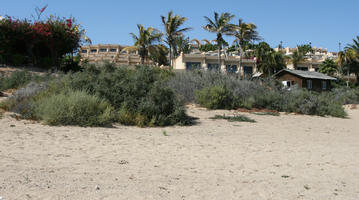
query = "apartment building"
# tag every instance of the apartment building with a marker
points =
(312, 60)
(230, 62)
(111, 53)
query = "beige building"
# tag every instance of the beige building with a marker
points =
(312, 60)
(111, 53)
(230, 62)
(209, 61)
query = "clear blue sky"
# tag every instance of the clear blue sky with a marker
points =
(325, 23)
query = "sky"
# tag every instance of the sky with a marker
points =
(324, 23)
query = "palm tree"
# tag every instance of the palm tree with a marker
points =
(182, 44)
(300, 53)
(347, 61)
(296, 58)
(328, 67)
(173, 30)
(146, 41)
(355, 46)
(244, 33)
(221, 26)
(268, 60)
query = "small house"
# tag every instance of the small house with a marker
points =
(305, 79)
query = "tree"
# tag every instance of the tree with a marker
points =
(221, 26)
(146, 41)
(173, 30)
(158, 54)
(268, 60)
(208, 47)
(300, 53)
(346, 62)
(182, 45)
(328, 67)
(355, 46)
(244, 33)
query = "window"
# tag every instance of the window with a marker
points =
(103, 50)
(193, 65)
(248, 70)
(231, 68)
(288, 84)
(324, 85)
(302, 68)
(93, 50)
(84, 51)
(113, 50)
(213, 67)
(309, 84)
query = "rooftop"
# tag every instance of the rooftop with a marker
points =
(307, 74)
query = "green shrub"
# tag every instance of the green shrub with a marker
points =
(41, 43)
(215, 97)
(15, 80)
(75, 108)
(268, 94)
(138, 94)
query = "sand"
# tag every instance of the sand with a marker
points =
(286, 157)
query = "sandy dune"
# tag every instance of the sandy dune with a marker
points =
(286, 157)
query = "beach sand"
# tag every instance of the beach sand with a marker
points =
(285, 157)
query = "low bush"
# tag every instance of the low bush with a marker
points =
(22, 101)
(15, 80)
(137, 96)
(215, 97)
(75, 108)
(220, 91)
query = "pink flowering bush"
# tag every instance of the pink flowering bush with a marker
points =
(40, 43)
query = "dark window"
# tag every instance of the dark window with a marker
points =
(213, 67)
(193, 65)
(113, 50)
(103, 50)
(309, 84)
(84, 51)
(93, 50)
(231, 68)
(302, 68)
(324, 85)
(248, 70)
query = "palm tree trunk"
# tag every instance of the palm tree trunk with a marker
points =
(170, 56)
(348, 76)
(142, 59)
(240, 60)
(219, 57)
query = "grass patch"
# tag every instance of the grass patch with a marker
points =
(266, 113)
(236, 118)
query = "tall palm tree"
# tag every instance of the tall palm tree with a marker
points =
(346, 60)
(146, 41)
(355, 46)
(244, 33)
(173, 30)
(221, 26)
